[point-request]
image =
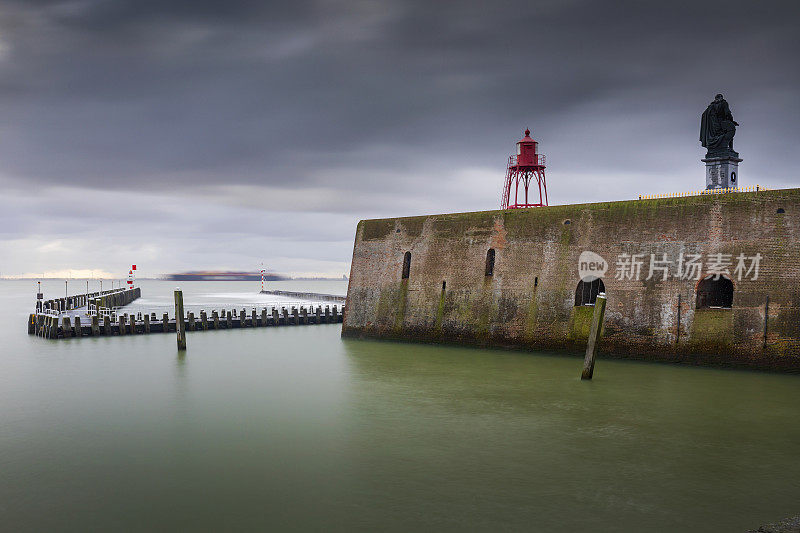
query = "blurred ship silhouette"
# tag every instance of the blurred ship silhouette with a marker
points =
(213, 275)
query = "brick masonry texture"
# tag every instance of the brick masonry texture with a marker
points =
(529, 301)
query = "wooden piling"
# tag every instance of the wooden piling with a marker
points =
(203, 320)
(263, 317)
(215, 318)
(594, 336)
(132, 327)
(243, 318)
(190, 320)
(78, 328)
(146, 323)
(303, 315)
(275, 320)
(317, 313)
(229, 320)
(66, 327)
(766, 320)
(107, 325)
(180, 325)
(95, 326)
(253, 317)
(295, 319)
(165, 323)
(122, 324)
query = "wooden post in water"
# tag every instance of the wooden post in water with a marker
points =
(165, 323)
(95, 326)
(594, 336)
(78, 327)
(215, 318)
(263, 317)
(146, 323)
(204, 320)
(180, 324)
(228, 320)
(766, 320)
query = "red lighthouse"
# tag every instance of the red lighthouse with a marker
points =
(528, 164)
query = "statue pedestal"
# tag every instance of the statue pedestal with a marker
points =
(722, 172)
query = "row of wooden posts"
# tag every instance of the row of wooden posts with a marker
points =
(53, 327)
(109, 298)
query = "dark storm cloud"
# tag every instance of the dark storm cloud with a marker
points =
(378, 108)
(97, 92)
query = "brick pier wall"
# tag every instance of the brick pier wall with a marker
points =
(529, 301)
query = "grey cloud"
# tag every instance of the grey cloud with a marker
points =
(381, 108)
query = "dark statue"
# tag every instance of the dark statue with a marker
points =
(717, 129)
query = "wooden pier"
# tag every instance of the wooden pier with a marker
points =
(62, 327)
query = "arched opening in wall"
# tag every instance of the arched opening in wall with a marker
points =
(715, 293)
(406, 265)
(490, 262)
(586, 292)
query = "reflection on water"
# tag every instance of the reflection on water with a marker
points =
(294, 428)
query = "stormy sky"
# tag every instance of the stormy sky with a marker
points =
(199, 134)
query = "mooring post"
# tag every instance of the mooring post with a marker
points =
(180, 324)
(204, 320)
(275, 320)
(594, 336)
(295, 319)
(146, 323)
(190, 320)
(303, 315)
(122, 324)
(165, 323)
(133, 324)
(78, 327)
(215, 318)
(229, 320)
(335, 314)
(318, 312)
(327, 314)
(285, 315)
(766, 320)
(243, 318)
(263, 317)
(107, 325)
(95, 326)
(254, 317)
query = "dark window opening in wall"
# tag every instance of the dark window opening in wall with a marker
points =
(444, 285)
(587, 291)
(490, 262)
(715, 293)
(406, 265)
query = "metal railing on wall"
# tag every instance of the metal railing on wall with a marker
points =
(704, 192)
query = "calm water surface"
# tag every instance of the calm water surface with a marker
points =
(294, 428)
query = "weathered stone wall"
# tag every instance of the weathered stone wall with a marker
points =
(529, 301)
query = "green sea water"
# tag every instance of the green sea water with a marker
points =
(293, 428)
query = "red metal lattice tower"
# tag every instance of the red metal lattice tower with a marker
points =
(527, 165)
